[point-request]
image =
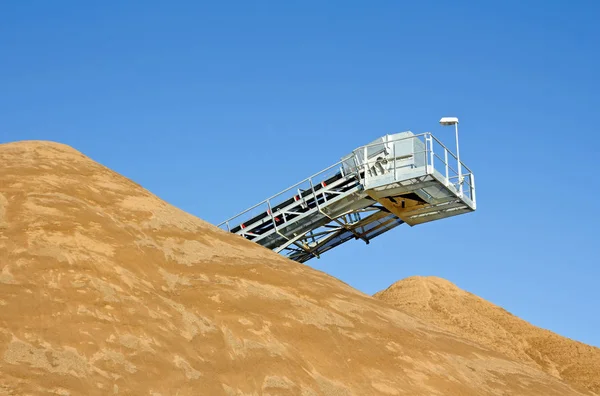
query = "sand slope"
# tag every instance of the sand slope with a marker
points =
(105, 289)
(438, 301)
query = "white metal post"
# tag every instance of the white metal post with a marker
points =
(272, 216)
(431, 153)
(460, 180)
(425, 155)
(395, 166)
(366, 165)
(473, 197)
(446, 162)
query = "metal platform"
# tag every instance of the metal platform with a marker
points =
(399, 178)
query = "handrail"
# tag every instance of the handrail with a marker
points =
(450, 151)
(281, 192)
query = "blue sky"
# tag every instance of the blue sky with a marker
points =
(214, 106)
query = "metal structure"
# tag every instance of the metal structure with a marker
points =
(399, 178)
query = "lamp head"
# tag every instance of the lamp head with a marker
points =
(449, 121)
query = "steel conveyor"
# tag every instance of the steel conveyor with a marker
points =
(400, 178)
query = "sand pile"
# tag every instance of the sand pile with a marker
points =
(107, 290)
(439, 301)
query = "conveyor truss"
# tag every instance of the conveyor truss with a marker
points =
(399, 178)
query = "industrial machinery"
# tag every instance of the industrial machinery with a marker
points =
(396, 179)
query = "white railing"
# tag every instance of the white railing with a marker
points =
(444, 160)
(432, 155)
(268, 204)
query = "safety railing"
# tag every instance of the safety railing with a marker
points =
(446, 162)
(427, 152)
(295, 192)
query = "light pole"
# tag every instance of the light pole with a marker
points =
(445, 121)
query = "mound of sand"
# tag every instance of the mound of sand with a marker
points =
(106, 289)
(438, 301)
